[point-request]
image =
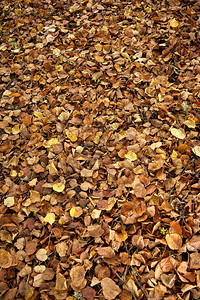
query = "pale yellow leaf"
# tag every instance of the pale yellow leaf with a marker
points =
(196, 150)
(178, 133)
(38, 114)
(174, 154)
(9, 201)
(131, 156)
(50, 218)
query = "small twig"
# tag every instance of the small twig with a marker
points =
(133, 272)
(124, 282)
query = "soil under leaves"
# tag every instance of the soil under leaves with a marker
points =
(99, 150)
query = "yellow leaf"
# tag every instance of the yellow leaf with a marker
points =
(131, 156)
(76, 211)
(59, 187)
(174, 155)
(50, 218)
(196, 150)
(36, 77)
(13, 173)
(190, 123)
(16, 129)
(51, 142)
(38, 114)
(178, 133)
(40, 27)
(174, 241)
(174, 23)
(18, 12)
(72, 136)
(59, 68)
(98, 47)
(9, 201)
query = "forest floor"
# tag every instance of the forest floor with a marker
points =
(99, 150)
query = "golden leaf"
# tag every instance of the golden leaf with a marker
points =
(50, 218)
(16, 129)
(98, 47)
(76, 211)
(72, 136)
(40, 27)
(51, 142)
(131, 156)
(190, 123)
(59, 187)
(174, 23)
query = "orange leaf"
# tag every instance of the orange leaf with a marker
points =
(174, 241)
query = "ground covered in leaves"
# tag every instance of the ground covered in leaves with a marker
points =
(99, 150)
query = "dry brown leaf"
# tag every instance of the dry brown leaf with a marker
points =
(5, 259)
(77, 274)
(106, 252)
(110, 289)
(41, 254)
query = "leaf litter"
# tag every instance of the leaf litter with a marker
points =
(99, 150)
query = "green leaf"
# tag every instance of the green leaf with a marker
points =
(43, 164)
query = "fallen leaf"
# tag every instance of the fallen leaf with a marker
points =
(174, 23)
(174, 241)
(50, 143)
(9, 201)
(110, 288)
(106, 252)
(76, 212)
(196, 150)
(41, 254)
(131, 156)
(59, 187)
(50, 218)
(5, 259)
(178, 133)
(71, 135)
(77, 274)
